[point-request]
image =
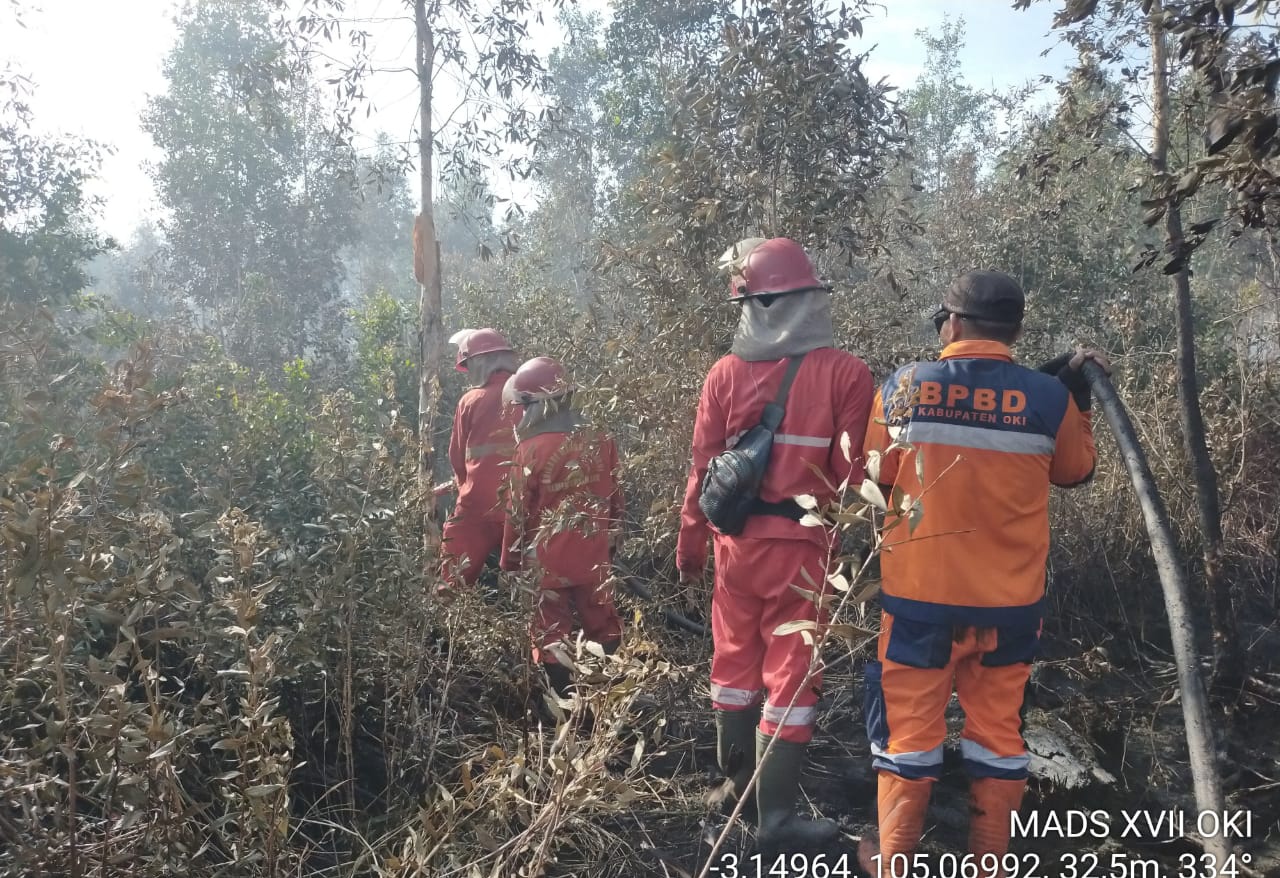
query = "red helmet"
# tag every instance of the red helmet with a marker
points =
(537, 379)
(768, 268)
(473, 342)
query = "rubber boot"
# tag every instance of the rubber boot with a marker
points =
(991, 802)
(902, 804)
(736, 756)
(777, 789)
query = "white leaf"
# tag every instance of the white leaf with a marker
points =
(873, 465)
(794, 626)
(920, 465)
(561, 656)
(839, 582)
(810, 520)
(806, 501)
(846, 447)
(913, 519)
(871, 492)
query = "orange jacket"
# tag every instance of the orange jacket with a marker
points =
(481, 447)
(565, 502)
(990, 437)
(831, 396)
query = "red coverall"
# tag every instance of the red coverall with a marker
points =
(480, 450)
(566, 504)
(754, 570)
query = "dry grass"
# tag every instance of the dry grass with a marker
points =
(217, 658)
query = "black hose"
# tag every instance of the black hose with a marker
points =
(1206, 780)
(638, 588)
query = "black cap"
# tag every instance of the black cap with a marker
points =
(986, 295)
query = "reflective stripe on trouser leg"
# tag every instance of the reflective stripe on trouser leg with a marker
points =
(912, 726)
(796, 723)
(981, 762)
(728, 698)
(991, 741)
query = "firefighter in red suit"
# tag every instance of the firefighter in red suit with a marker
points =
(784, 311)
(480, 450)
(565, 516)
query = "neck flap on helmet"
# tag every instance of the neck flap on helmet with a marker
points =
(481, 367)
(792, 324)
(549, 416)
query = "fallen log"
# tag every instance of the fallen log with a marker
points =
(1059, 757)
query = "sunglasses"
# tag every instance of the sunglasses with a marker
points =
(942, 315)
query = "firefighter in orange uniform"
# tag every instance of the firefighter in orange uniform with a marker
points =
(785, 312)
(963, 595)
(480, 450)
(566, 515)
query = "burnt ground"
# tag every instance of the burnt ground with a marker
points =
(1122, 709)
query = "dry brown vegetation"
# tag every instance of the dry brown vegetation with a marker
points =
(218, 653)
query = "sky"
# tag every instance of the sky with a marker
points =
(95, 62)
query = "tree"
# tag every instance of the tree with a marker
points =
(382, 228)
(45, 237)
(649, 48)
(943, 172)
(556, 241)
(1229, 657)
(1234, 81)
(259, 196)
(483, 50)
(946, 117)
(131, 275)
(778, 133)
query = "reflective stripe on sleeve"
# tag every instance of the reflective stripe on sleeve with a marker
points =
(803, 441)
(476, 452)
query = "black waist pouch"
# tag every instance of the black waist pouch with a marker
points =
(730, 489)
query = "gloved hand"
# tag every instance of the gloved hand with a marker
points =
(1069, 369)
(691, 583)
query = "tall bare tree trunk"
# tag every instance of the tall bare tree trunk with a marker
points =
(430, 328)
(1228, 657)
